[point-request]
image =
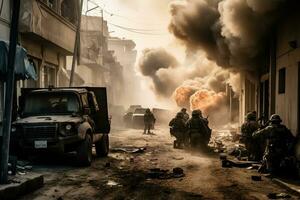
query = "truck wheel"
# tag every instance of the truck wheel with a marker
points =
(102, 146)
(84, 152)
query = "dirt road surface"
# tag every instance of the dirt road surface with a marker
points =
(125, 175)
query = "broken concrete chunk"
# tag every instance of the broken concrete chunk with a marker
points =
(226, 164)
(278, 196)
(178, 172)
(223, 156)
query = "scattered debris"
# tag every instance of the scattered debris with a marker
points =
(239, 164)
(112, 183)
(255, 167)
(107, 164)
(238, 151)
(21, 173)
(178, 172)
(129, 149)
(226, 164)
(223, 156)
(278, 196)
(157, 173)
(256, 178)
(177, 158)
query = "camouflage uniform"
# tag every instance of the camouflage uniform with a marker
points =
(149, 121)
(279, 144)
(247, 129)
(178, 129)
(197, 131)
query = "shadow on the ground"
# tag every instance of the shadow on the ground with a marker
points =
(135, 184)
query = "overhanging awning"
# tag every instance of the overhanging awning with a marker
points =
(24, 69)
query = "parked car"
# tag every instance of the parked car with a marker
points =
(63, 120)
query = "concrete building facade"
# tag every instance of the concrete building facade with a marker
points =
(125, 53)
(47, 32)
(275, 86)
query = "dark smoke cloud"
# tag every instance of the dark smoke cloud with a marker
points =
(231, 32)
(152, 64)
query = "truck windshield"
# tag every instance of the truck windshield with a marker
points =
(51, 103)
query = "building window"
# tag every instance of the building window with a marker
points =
(281, 81)
(69, 10)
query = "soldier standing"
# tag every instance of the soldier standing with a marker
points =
(178, 130)
(247, 129)
(149, 121)
(197, 131)
(186, 116)
(279, 144)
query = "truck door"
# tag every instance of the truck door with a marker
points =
(97, 98)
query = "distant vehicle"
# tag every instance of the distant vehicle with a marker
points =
(63, 120)
(127, 118)
(138, 118)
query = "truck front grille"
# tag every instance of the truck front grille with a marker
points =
(40, 131)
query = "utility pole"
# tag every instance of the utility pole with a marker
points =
(102, 37)
(9, 92)
(76, 45)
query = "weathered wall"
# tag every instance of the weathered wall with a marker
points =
(287, 104)
(37, 18)
(248, 95)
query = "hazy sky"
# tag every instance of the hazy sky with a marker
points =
(147, 18)
(147, 22)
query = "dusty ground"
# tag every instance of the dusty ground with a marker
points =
(125, 175)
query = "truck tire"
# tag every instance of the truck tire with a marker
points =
(84, 151)
(102, 146)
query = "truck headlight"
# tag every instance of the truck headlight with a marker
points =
(68, 127)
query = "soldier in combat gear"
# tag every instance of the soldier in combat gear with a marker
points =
(178, 130)
(186, 116)
(279, 144)
(247, 129)
(197, 131)
(149, 121)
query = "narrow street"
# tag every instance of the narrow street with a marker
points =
(125, 175)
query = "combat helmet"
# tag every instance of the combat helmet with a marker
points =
(251, 116)
(179, 115)
(183, 110)
(196, 113)
(275, 118)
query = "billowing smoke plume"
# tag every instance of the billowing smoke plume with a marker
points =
(197, 85)
(152, 64)
(231, 32)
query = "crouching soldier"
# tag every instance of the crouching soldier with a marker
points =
(247, 129)
(178, 130)
(149, 121)
(197, 131)
(279, 145)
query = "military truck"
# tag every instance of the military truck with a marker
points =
(62, 120)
